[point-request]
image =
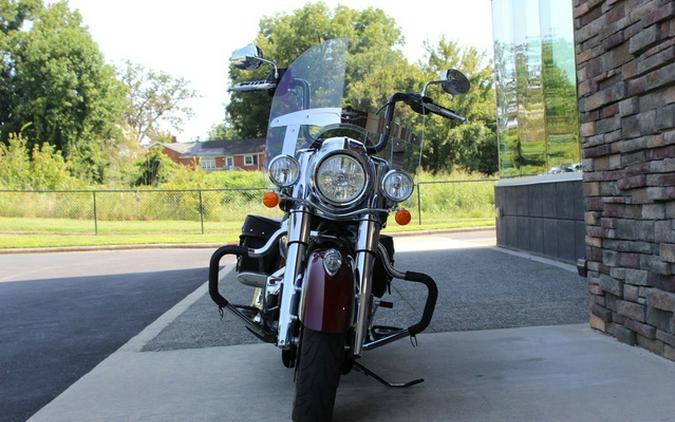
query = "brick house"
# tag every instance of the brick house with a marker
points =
(244, 154)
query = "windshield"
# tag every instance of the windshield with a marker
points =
(310, 102)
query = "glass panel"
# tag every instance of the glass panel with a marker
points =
(505, 75)
(562, 117)
(537, 117)
(529, 89)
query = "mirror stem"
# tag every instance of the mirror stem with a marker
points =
(276, 70)
(426, 85)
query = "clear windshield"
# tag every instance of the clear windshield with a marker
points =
(310, 102)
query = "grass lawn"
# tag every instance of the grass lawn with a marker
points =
(18, 232)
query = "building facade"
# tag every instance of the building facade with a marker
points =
(618, 214)
(625, 53)
(246, 154)
(539, 199)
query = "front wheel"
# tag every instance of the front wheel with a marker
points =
(318, 375)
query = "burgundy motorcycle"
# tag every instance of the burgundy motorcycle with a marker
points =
(320, 273)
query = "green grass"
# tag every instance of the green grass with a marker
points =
(146, 217)
(52, 232)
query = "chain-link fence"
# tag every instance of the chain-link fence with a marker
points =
(200, 211)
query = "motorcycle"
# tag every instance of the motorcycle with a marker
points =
(320, 273)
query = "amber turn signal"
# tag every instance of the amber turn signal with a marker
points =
(271, 199)
(403, 217)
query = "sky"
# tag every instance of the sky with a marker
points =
(194, 39)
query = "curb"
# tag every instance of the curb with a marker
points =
(442, 231)
(209, 245)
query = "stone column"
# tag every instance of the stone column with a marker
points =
(625, 53)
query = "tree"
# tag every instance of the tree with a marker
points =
(376, 69)
(472, 145)
(43, 168)
(54, 77)
(221, 132)
(156, 98)
(154, 168)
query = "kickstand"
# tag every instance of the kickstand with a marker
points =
(368, 372)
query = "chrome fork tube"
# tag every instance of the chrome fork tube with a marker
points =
(366, 250)
(298, 237)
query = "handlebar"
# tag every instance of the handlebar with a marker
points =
(419, 104)
(443, 112)
(390, 107)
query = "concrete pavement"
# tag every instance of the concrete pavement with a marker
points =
(561, 373)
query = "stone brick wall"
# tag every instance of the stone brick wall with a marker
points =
(626, 85)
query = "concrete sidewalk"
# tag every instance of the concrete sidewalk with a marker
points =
(560, 373)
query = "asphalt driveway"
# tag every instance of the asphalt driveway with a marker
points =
(61, 314)
(480, 288)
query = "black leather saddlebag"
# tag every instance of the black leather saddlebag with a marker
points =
(255, 233)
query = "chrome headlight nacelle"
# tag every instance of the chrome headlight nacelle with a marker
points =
(397, 185)
(340, 178)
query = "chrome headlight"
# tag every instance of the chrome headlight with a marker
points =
(397, 185)
(283, 170)
(340, 179)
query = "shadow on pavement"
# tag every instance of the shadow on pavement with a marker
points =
(53, 331)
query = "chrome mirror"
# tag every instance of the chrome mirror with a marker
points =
(455, 82)
(247, 58)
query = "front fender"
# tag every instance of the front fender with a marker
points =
(327, 301)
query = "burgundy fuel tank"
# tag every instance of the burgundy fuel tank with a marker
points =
(327, 300)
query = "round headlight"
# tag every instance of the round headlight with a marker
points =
(340, 179)
(283, 170)
(397, 185)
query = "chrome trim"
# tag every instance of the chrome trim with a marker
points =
(298, 237)
(277, 158)
(273, 283)
(332, 214)
(366, 247)
(386, 340)
(255, 253)
(334, 254)
(359, 159)
(252, 279)
(386, 194)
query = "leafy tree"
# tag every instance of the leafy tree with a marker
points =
(48, 169)
(45, 169)
(154, 168)
(155, 98)
(448, 145)
(221, 132)
(54, 77)
(376, 69)
(14, 163)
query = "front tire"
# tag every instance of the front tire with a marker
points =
(318, 375)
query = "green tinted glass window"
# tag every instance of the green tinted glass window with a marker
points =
(537, 116)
